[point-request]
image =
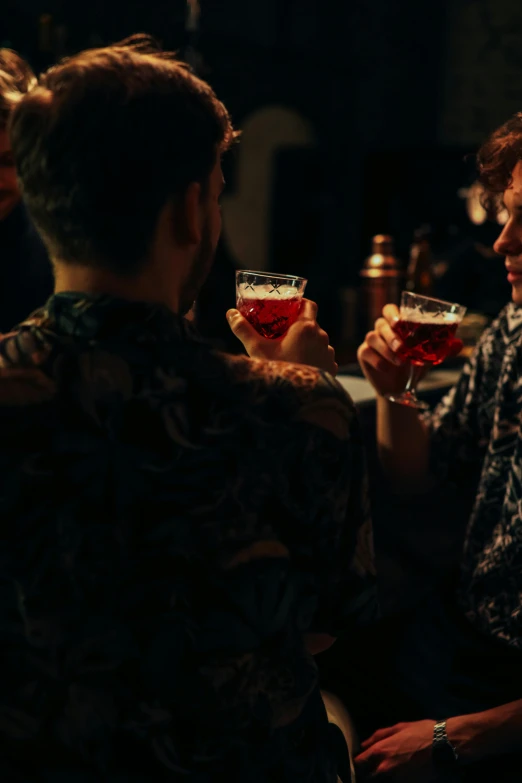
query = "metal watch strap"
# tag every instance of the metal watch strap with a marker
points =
(441, 741)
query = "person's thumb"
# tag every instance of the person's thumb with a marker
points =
(243, 330)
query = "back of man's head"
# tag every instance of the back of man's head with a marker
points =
(16, 79)
(104, 141)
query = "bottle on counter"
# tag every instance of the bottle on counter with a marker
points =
(419, 276)
(382, 279)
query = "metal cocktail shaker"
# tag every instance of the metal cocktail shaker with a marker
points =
(382, 280)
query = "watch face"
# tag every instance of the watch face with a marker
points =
(443, 754)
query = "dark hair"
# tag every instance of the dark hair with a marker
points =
(105, 140)
(16, 78)
(496, 160)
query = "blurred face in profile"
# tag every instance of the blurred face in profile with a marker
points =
(9, 192)
(509, 243)
(203, 256)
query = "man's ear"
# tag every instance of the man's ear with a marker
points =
(187, 216)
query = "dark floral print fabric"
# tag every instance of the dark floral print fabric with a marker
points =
(173, 522)
(477, 440)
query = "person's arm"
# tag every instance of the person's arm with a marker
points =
(326, 439)
(319, 505)
(403, 446)
(402, 435)
(482, 735)
(405, 751)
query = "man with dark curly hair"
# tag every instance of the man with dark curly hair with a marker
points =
(460, 659)
(25, 272)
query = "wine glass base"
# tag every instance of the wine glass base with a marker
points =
(409, 400)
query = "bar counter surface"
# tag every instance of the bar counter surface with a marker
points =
(437, 382)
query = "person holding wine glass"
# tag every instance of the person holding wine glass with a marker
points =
(458, 662)
(182, 529)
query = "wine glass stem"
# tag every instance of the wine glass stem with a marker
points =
(415, 376)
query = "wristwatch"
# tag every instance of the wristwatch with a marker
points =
(445, 756)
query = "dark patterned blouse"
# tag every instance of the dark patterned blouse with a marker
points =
(173, 521)
(477, 439)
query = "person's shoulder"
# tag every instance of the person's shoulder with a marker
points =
(504, 330)
(306, 393)
(299, 381)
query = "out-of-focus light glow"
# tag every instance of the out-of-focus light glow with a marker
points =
(502, 217)
(193, 14)
(476, 212)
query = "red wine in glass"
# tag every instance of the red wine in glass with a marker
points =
(425, 341)
(427, 329)
(271, 317)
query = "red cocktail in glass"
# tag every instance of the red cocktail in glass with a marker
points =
(425, 342)
(270, 317)
(270, 302)
(427, 330)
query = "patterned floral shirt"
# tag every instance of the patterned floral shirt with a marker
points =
(477, 438)
(173, 522)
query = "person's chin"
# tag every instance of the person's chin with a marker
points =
(516, 292)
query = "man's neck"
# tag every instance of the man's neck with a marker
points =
(144, 287)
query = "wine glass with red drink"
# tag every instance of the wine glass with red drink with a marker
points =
(269, 301)
(427, 329)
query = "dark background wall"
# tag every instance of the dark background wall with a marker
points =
(483, 84)
(392, 93)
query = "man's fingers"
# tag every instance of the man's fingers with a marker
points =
(323, 337)
(367, 355)
(308, 310)
(243, 330)
(368, 759)
(377, 343)
(381, 734)
(304, 343)
(333, 364)
(391, 338)
(373, 763)
(383, 771)
(391, 313)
